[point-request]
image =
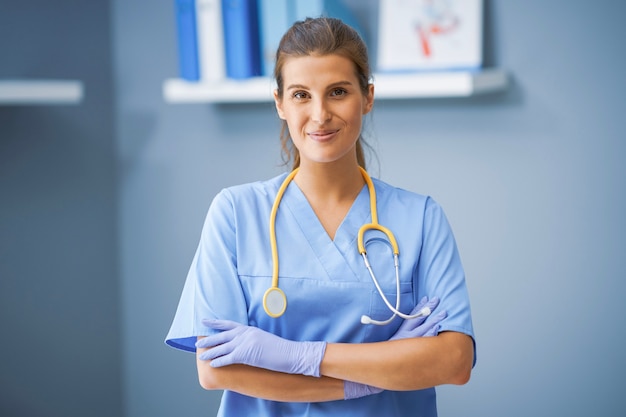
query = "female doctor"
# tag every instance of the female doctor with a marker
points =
(274, 298)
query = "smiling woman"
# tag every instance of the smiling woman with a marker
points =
(323, 106)
(319, 38)
(298, 359)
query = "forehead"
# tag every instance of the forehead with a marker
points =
(318, 68)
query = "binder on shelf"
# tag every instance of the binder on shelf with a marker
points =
(332, 8)
(417, 35)
(275, 18)
(337, 9)
(241, 38)
(187, 41)
(307, 8)
(210, 35)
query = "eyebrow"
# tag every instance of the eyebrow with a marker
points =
(304, 87)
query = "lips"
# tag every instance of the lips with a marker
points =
(323, 135)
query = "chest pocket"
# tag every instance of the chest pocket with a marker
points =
(380, 257)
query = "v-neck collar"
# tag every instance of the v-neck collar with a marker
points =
(336, 255)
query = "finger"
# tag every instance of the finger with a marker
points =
(217, 339)
(432, 303)
(411, 324)
(223, 361)
(433, 331)
(437, 318)
(424, 302)
(411, 330)
(220, 324)
(420, 305)
(216, 352)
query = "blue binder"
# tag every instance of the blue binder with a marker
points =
(242, 45)
(274, 20)
(276, 16)
(333, 8)
(187, 40)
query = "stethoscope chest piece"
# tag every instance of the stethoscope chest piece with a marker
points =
(274, 302)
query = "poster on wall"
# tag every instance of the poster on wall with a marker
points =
(422, 35)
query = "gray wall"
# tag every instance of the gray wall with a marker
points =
(531, 179)
(59, 281)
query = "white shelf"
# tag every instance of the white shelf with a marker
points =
(440, 84)
(388, 86)
(41, 92)
(257, 89)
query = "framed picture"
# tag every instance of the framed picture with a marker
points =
(419, 35)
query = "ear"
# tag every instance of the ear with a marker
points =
(369, 99)
(279, 105)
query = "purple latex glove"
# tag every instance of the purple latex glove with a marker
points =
(409, 328)
(418, 327)
(237, 343)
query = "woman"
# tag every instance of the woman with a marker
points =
(318, 358)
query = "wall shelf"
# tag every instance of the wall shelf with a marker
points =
(388, 86)
(26, 92)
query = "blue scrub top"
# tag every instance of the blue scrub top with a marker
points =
(327, 286)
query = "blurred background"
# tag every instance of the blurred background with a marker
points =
(102, 203)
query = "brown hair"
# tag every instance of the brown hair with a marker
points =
(320, 36)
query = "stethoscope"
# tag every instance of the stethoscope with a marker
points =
(275, 300)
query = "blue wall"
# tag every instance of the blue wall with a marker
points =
(59, 280)
(532, 180)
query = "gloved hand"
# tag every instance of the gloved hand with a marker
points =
(409, 328)
(237, 343)
(416, 327)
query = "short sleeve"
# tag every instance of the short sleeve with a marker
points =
(440, 272)
(212, 289)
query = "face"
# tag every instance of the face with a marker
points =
(323, 106)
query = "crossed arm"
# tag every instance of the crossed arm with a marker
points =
(405, 364)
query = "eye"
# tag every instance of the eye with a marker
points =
(300, 95)
(338, 92)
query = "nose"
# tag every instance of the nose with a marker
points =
(320, 113)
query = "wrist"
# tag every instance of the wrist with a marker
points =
(354, 390)
(311, 358)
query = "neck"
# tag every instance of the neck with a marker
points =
(330, 190)
(329, 183)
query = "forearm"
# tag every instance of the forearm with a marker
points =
(405, 364)
(270, 385)
(399, 365)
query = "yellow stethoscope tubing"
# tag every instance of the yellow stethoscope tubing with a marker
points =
(275, 300)
(274, 292)
(374, 214)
